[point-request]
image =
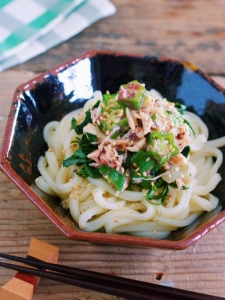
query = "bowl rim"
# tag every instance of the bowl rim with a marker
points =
(95, 237)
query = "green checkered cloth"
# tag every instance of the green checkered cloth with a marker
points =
(31, 27)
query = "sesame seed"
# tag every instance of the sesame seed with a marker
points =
(137, 169)
(36, 180)
(144, 173)
(125, 207)
(148, 159)
(139, 174)
(75, 187)
(52, 132)
(50, 150)
(135, 165)
(154, 231)
(116, 220)
(144, 192)
(83, 226)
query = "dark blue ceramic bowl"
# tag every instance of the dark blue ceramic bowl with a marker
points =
(55, 93)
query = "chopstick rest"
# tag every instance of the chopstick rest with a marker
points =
(22, 286)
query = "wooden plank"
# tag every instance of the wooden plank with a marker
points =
(188, 30)
(198, 268)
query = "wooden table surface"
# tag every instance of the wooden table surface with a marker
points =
(192, 30)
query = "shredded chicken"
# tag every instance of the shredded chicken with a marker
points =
(146, 121)
(178, 159)
(137, 146)
(106, 155)
(136, 135)
(130, 119)
(155, 114)
(183, 136)
(95, 114)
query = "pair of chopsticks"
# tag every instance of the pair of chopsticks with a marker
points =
(104, 283)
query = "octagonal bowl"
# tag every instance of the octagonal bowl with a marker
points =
(68, 86)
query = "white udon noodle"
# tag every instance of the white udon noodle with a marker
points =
(94, 205)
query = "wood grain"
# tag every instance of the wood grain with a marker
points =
(199, 268)
(192, 30)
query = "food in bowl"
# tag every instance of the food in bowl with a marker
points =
(67, 87)
(131, 162)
